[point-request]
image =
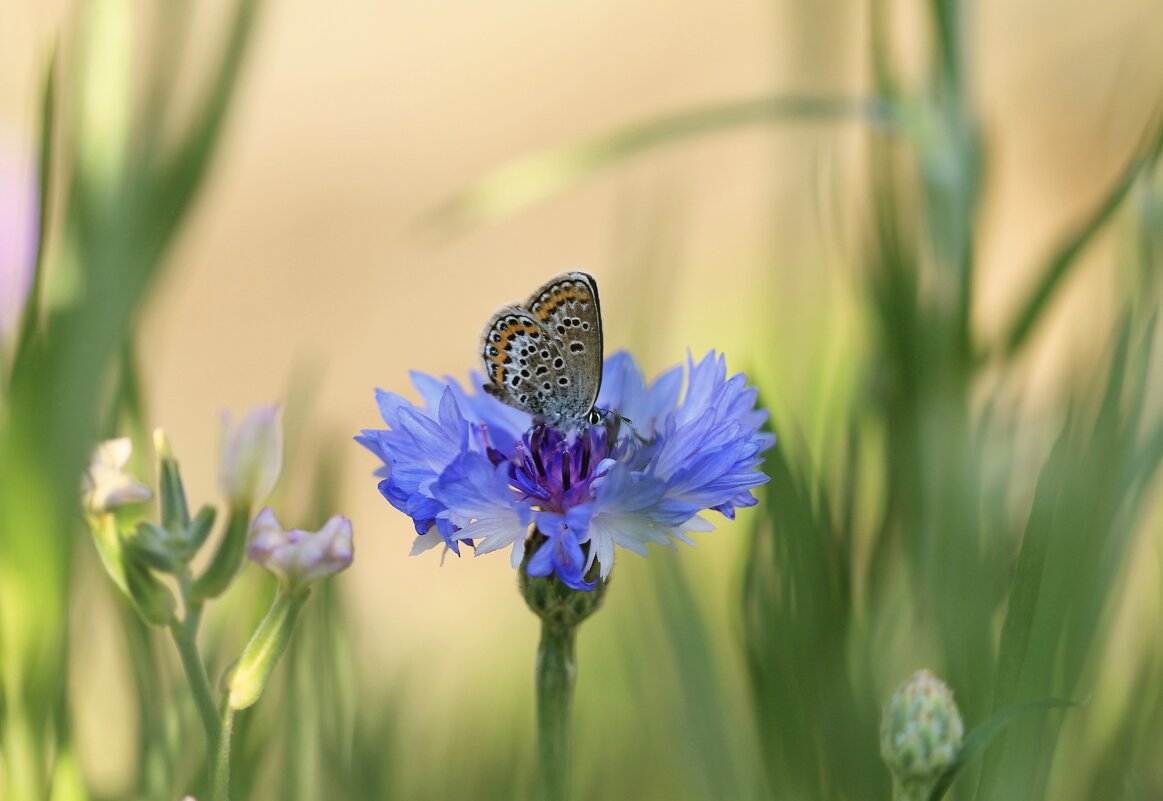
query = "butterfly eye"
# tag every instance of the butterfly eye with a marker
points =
(594, 417)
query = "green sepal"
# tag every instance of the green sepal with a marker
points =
(154, 546)
(199, 528)
(110, 548)
(551, 600)
(227, 559)
(175, 511)
(153, 599)
(253, 670)
(976, 741)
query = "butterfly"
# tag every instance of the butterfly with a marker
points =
(545, 357)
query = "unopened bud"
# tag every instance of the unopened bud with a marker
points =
(920, 734)
(252, 456)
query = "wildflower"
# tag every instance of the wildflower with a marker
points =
(920, 734)
(468, 469)
(106, 484)
(299, 557)
(252, 456)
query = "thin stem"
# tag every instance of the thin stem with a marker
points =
(556, 671)
(186, 637)
(222, 760)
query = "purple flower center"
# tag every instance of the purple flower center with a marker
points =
(554, 469)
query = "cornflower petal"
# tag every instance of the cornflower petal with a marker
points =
(480, 502)
(561, 553)
(631, 510)
(624, 390)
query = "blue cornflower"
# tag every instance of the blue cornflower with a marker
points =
(468, 469)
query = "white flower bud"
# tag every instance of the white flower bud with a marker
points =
(252, 456)
(300, 557)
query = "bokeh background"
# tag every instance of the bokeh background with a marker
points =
(320, 261)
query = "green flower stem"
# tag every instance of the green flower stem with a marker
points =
(222, 758)
(186, 637)
(911, 792)
(556, 671)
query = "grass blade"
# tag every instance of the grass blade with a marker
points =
(1067, 253)
(976, 741)
(533, 178)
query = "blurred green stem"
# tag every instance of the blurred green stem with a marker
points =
(186, 638)
(556, 671)
(222, 759)
(911, 792)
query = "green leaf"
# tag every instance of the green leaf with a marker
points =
(31, 313)
(976, 741)
(1023, 604)
(179, 177)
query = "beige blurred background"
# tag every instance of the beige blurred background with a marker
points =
(306, 256)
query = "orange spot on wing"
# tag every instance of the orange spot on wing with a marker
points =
(558, 297)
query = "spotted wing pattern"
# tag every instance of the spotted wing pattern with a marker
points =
(569, 309)
(524, 364)
(545, 357)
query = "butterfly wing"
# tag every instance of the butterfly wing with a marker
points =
(524, 364)
(568, 309)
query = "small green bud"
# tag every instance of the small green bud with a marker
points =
(199, 528)
(155, 547)
(920, 734)
(172, 495)
(552, 601)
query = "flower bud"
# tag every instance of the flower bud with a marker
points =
(920, 734)
(106, 484)
(175, 511)
(252, 456)
(298, 557)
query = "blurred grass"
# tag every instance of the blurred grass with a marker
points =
(911, 533)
